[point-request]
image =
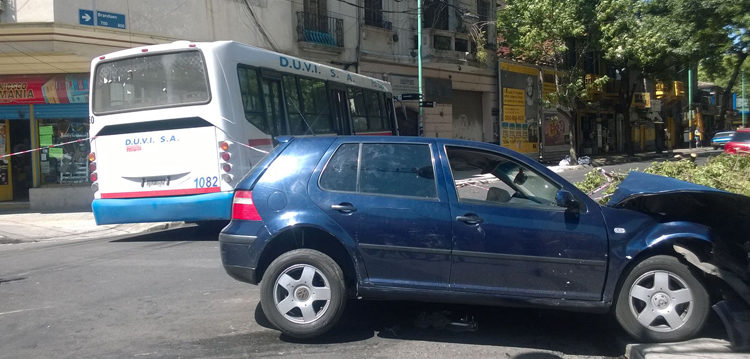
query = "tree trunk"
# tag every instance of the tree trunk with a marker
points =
(726, 97)
(571, 134)
(626, 94)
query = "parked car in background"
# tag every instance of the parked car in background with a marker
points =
(322, 220)
(739, 143)
(720, 138)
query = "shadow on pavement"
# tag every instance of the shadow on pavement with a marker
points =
(568, 333)
(189, 232)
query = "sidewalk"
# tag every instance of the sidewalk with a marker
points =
(614, 159)
(24, 226)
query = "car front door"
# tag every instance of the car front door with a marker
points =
(510, 237)
(385, 196)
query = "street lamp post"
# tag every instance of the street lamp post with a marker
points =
(420, 123)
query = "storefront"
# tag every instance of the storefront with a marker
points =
(47, 114)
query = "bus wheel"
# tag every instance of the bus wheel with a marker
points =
(303, 293)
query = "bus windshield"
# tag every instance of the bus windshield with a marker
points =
(151, 81)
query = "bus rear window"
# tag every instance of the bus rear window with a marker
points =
(150, 81)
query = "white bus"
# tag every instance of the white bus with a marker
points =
(174, 127)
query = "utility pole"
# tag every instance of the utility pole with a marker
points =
(420, 122)
(690, 107)
(744, 99)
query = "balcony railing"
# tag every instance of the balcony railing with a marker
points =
(323, 30)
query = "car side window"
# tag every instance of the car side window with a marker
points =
(398, 169)
(489, 178)
(341, 171)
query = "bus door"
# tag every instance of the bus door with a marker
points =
(274, 103)
(340, 110)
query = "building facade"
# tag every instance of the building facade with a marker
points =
(46, 47)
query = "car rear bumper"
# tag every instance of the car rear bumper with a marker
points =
(199, 207)
(235, 255)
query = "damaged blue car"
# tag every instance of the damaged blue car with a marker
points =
(322, 220)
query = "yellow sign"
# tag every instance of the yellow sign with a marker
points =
(514, 114)
(514, 97)
(526, 70)
(641, 100)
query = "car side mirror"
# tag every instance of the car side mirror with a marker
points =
(565, 199)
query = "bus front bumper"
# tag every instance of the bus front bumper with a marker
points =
(192, 208)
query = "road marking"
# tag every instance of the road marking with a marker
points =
(23, 310)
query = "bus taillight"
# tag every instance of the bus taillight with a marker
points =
(224, 145)
(226, 156)
(92, 168)
(243, 207)
(226, 167)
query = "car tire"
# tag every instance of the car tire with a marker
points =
(303, 293)
(662, 301)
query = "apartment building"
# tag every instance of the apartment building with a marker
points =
(46, 47)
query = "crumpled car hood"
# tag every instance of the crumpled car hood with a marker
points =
(673, 200)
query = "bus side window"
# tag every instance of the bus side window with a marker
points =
(251, 99)
(376, 114)
(293, 106)
(357, 108)
(315, 110)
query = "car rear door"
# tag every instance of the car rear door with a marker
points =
(509, 236)
(385, 196)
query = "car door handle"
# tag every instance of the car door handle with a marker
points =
(470, 219)
(344, 207)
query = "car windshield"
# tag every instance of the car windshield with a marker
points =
(724, 134)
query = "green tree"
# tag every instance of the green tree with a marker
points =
(641, 39)
(540, 32)
(655, 37)
(719, 34)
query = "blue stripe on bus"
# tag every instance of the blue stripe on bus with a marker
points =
(200, 207)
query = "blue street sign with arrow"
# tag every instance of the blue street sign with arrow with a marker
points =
(86, 17)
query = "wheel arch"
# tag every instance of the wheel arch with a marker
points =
(666, 245)
(310, 237)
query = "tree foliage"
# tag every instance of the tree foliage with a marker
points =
(541, 32)
(726, 172)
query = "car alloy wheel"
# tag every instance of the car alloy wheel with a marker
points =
(661, 301)
(302, 293)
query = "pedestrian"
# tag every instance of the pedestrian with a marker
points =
(667, 140)
(697, 138)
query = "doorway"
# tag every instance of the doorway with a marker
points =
(20, 165)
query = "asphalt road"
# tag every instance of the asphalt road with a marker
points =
(165, 295)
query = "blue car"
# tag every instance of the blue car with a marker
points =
(322, 220)
(720, 139)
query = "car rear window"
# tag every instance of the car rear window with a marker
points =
(397, 169)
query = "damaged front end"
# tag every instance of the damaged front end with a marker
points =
(727, 214)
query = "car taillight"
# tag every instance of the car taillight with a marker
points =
(243, 207)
